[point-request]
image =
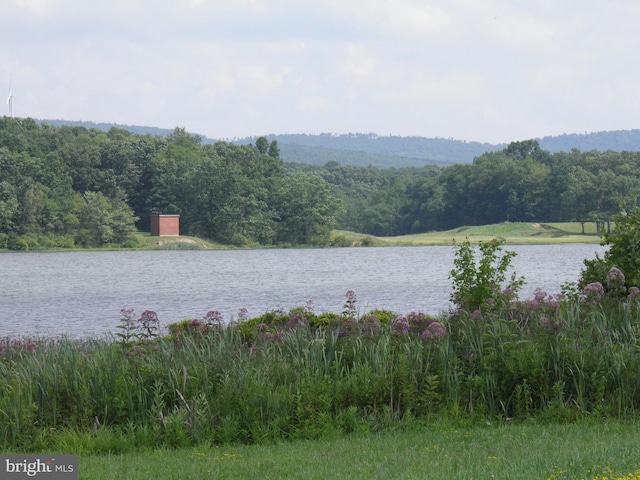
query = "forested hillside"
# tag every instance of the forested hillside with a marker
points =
(73, 186)
(394, 151)
(521, 183)
(69, 186)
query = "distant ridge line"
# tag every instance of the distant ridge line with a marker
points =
(364, 149)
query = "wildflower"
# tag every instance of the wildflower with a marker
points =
(252, 349)
(196, 325)
(419, 321)
(274, 337)
(544, 322)
(350, 325)
(298, 320)
(634, 295)
(213, 318)
(400, 326)
(434, 330)
(539, 295)
(371, 325)
(593, 293)
(149, 324)
(476, 315)
(349, 308)
(243, 314)
(509, 295)
(262, 327)
(615, 281)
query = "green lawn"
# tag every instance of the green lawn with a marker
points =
(600, 450)
(182, 242)
(514, 233)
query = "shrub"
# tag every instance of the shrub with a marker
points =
(131, 242)
(341, 241)
(623, 253)
(385, 317)
(477, 285)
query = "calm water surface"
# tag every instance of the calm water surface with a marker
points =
(81, 293)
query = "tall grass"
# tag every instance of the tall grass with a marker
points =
(301, 375)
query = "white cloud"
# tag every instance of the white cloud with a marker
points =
(552, 77)
(359, 63)
(404, 17)
(522, 32)
(37, 7)
(428, 88)
(455, 68)
(310, 105)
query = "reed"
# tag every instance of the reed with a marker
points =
(300, 375)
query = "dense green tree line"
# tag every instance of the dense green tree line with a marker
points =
(69, 186)
(64, 186)
(521, 183)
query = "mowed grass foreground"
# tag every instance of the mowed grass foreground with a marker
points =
(601, 450)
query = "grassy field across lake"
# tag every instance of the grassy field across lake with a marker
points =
(588, 451)
(514, 233)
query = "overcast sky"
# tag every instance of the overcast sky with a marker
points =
(477, 70)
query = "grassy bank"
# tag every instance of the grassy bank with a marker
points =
(513, 233)
(182, 242)
(585, 451)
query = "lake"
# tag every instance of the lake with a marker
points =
(80, 294)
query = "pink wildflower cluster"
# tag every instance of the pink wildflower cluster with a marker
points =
(349, 309)
(146, 327)
(371, 325)
(543, 301)
(616, 282)
(400, 326)
(274, 337)
(148, 324)
(213, 318)
(509, 295)
(634, 296)
(212, 321)
(434, 331)
(418, 321)
(593, 293)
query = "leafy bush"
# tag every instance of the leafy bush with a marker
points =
(478, 285)
(623, 253)
(132, 241)
(341, 241)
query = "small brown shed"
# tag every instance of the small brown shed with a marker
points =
(165, 225)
